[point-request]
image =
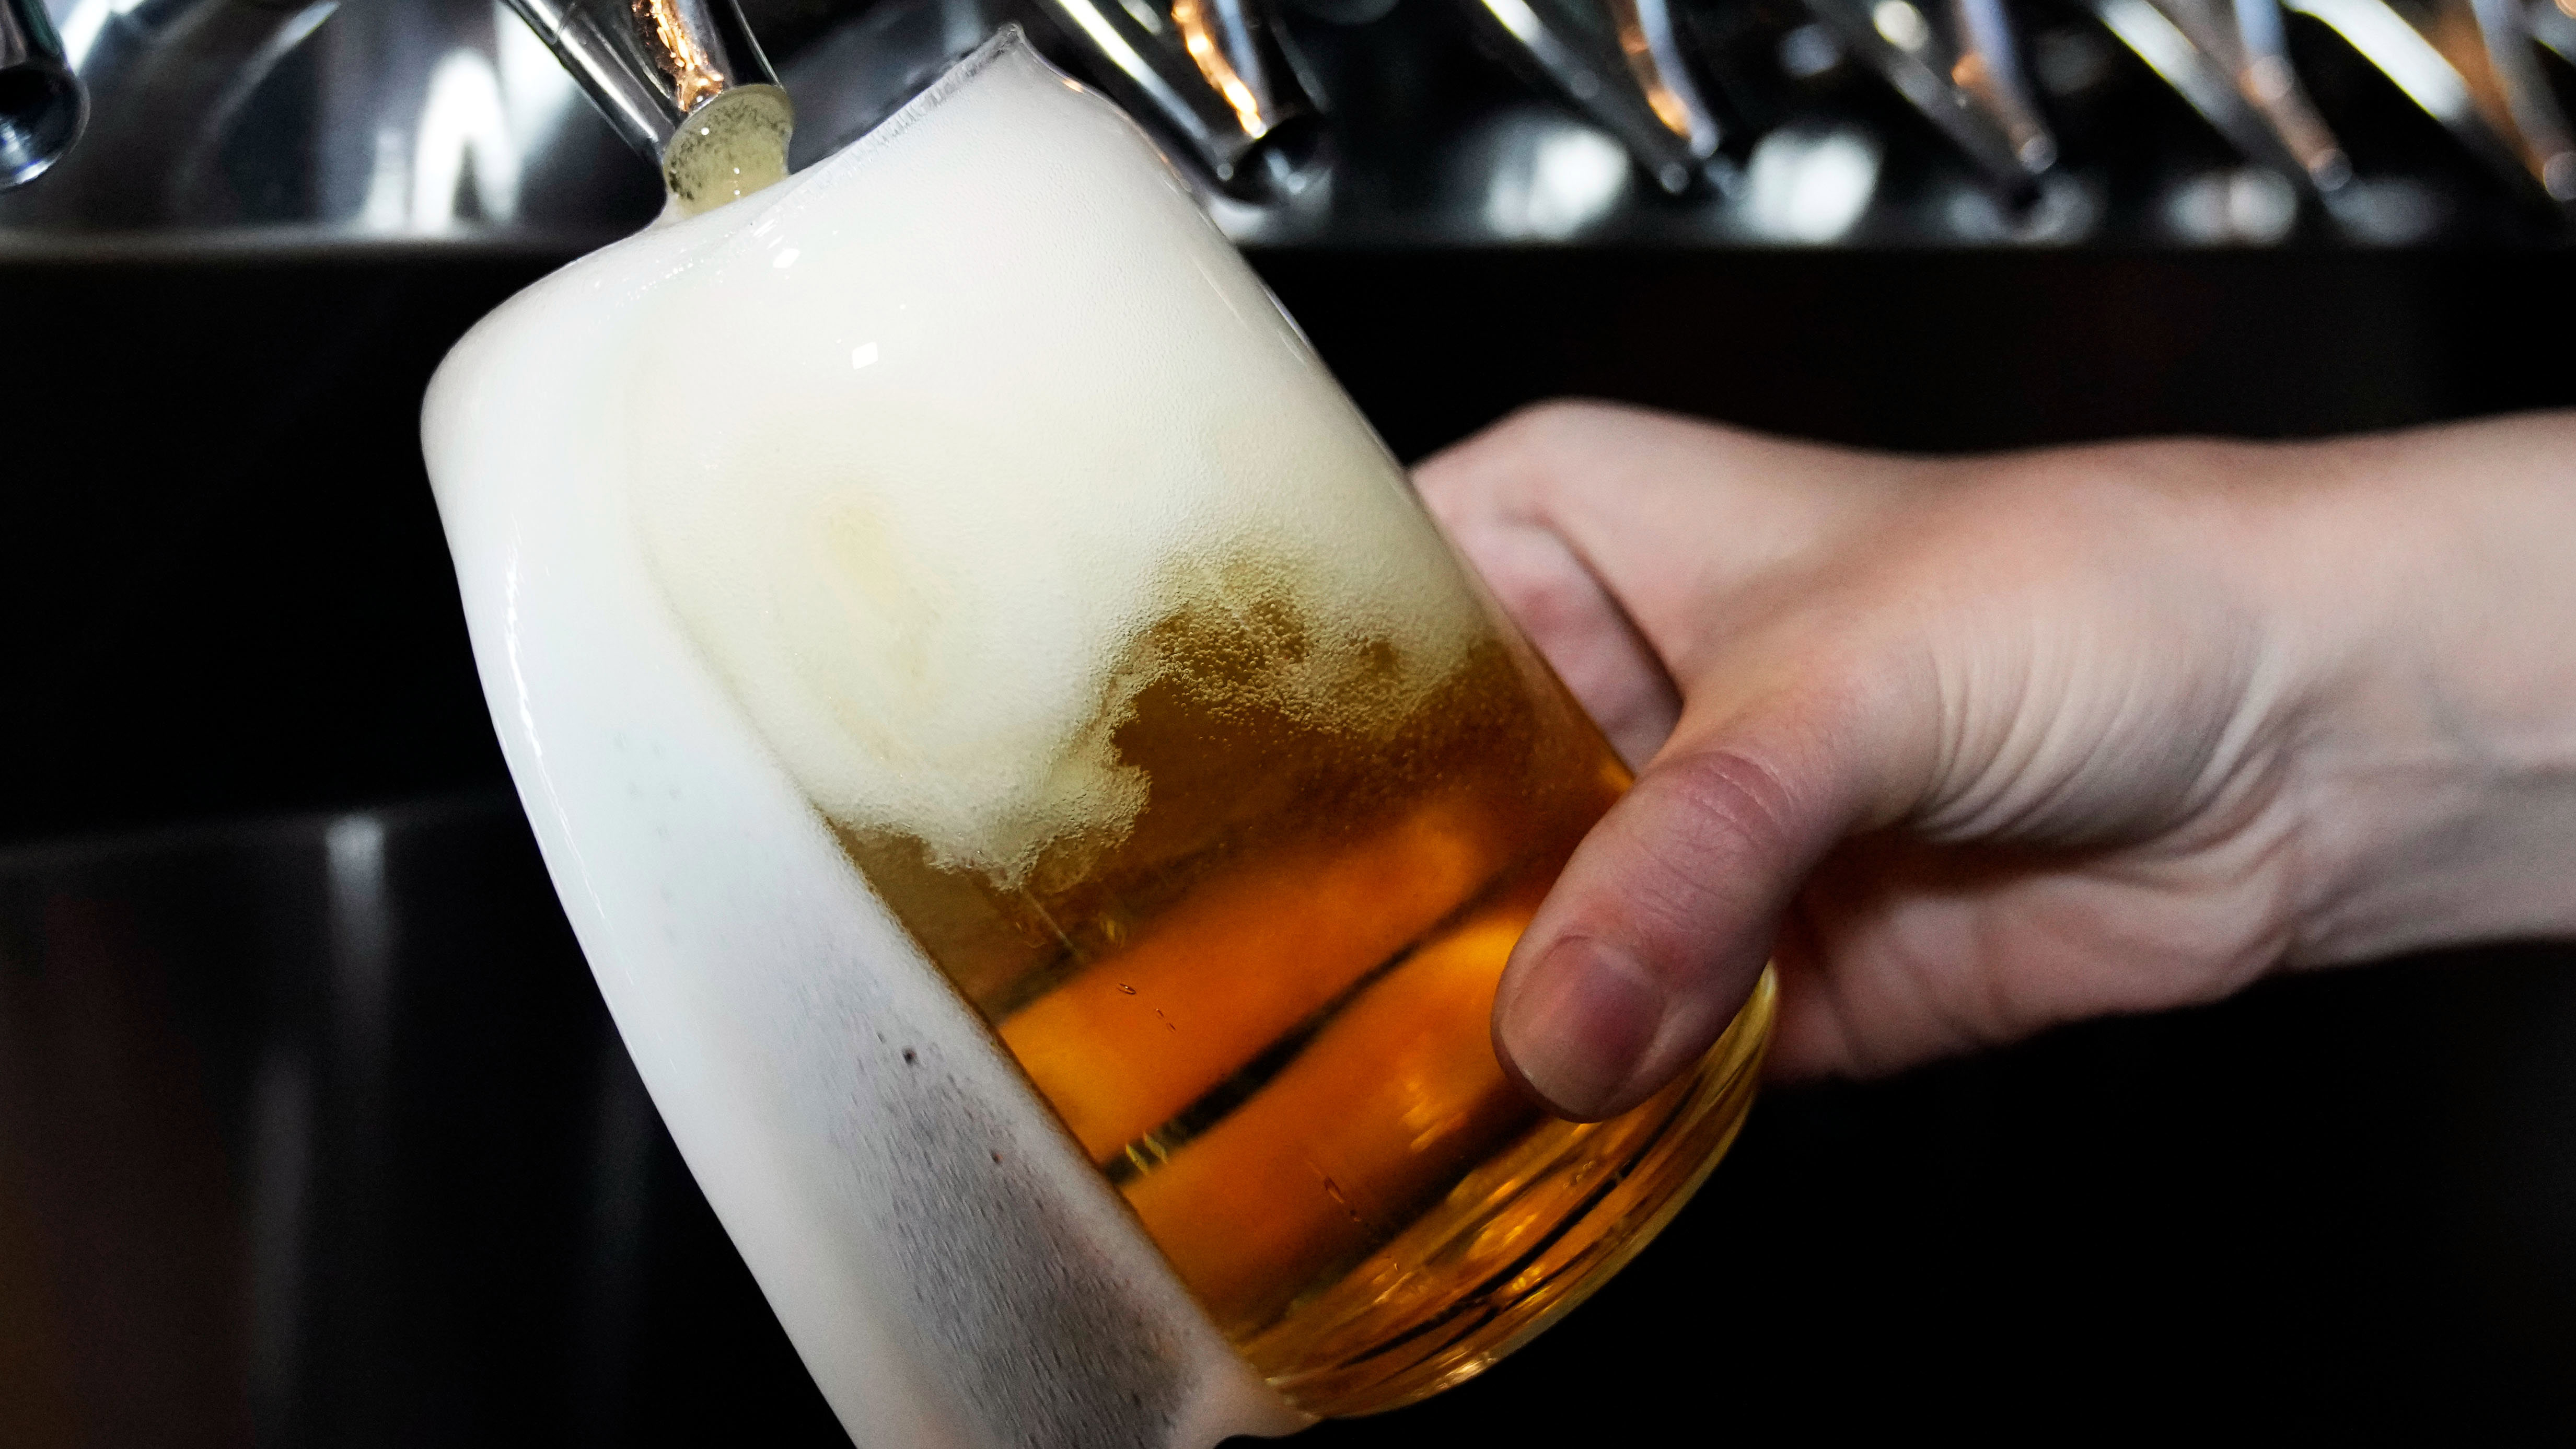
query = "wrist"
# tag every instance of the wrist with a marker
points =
(2421, 595)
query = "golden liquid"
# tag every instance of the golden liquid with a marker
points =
(1263, 1010)
(728, 148)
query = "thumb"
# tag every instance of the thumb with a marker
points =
(1663, 918)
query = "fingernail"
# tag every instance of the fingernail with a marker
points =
(1576, 1029)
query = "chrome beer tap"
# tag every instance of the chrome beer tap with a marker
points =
(683, 82)
(42, 104)
(1621, 64)
(2230, 60)
(1215, 75)
(2474, 66)
(1956, 62)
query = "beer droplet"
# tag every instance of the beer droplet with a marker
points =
(1123, 986)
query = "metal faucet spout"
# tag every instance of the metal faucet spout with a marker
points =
(683, 81)
(42, 104)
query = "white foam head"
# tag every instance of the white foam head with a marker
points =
(934, 439)
(923, 448)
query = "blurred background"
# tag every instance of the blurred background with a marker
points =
(313, 1130)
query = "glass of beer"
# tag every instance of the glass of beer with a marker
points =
(1001, 505)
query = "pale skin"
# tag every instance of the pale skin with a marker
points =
(1974, 746)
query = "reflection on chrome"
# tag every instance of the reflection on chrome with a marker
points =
(1810, 186)
(413, 120)
(42, 106)
(1655, 58)
(2065, 211)
(300, 123)
(680, 52)
(2251, 205)
(1621, 65)
(2390, 212)
(81, 28)
(461, 162)
(2473, 65)
(2530, 106)
(1959, 66)
(461, 150)
(1547, 177)
(1199, 38)
(2229, 59)
(2553, 24)
(1215, 75)
(1900, 24)
(1808, 52)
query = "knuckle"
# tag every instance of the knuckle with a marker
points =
(1450, 485)
(1556, 434)
(1549, 416)
(1515, 467)
(1552, 604)
(1545, 584)
(1732, 803)
(1715, 841)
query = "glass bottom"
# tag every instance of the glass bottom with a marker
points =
(1516, 1244)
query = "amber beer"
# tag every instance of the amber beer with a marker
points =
(1263, 1012)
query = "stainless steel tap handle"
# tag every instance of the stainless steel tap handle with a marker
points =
(42, 105)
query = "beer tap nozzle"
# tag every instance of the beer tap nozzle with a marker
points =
(683, 81)
(42, 103)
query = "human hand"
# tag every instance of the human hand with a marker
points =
(1970, 747)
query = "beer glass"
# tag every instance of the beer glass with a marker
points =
(1044, 803)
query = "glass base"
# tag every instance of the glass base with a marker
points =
(1516, 1244)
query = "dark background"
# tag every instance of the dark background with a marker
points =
(2343, 1206)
